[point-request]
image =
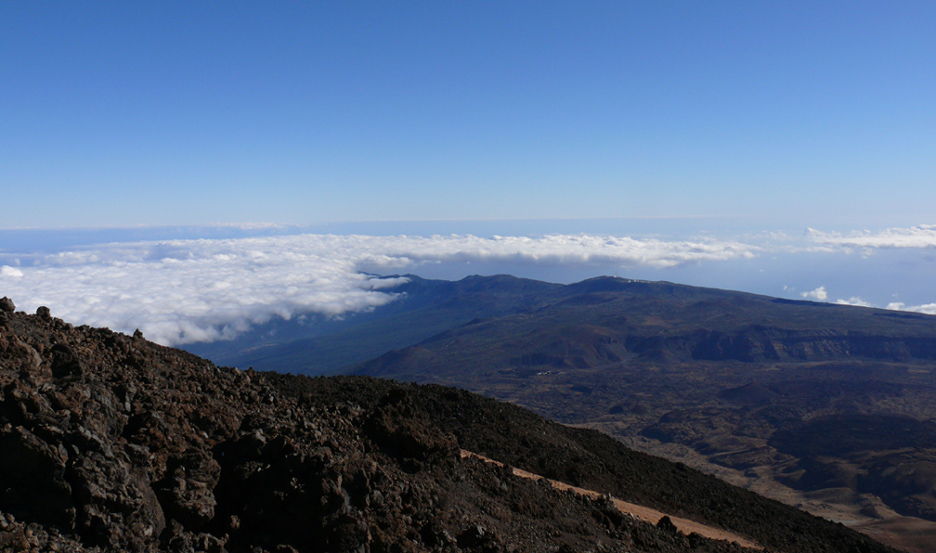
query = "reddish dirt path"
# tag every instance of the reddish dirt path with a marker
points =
(647, 514)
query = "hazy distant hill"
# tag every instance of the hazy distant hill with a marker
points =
(607, 321)
(320, 345)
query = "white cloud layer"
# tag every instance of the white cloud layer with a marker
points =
(929, 308)
(186, 291)
(856, 301)
(817, 294)
(821, 294)
(922, 236)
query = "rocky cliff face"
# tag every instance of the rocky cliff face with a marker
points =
(111, 443)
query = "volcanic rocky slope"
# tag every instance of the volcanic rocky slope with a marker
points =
(111, 443)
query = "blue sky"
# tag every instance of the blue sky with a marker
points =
(192, 169)
(175, 113)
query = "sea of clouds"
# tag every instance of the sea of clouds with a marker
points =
(198, 290)
(922, 236)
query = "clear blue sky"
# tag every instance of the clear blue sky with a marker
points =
(168, 113)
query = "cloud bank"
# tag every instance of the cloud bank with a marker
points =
(185, 291)
(817, 294)
(922, 236)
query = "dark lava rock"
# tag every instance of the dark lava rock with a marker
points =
(667, 525)
(63, 361)
(6, 305)
(111, 443)
(44, 313)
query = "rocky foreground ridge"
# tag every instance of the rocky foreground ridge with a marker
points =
(111, 443)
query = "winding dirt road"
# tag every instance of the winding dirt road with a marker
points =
(647, 514)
